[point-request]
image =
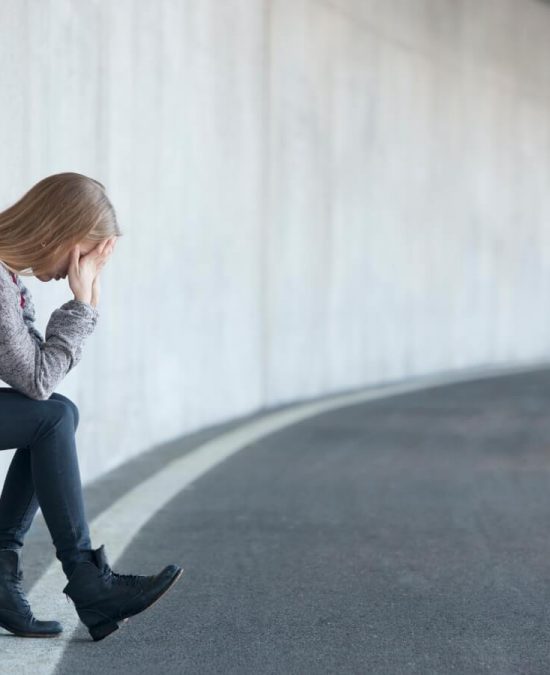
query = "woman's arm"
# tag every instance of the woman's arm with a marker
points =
(32, 365)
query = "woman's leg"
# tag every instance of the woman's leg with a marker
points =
(47, 430)
(18, 501)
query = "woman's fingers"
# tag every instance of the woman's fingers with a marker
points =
(109, 248)
(100, 253)
(105, 244)
(104, 254)
(108, 245)
(75, 255)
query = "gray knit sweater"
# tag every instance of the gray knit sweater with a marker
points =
(28, 362)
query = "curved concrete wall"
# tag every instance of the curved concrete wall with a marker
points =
(315, 195)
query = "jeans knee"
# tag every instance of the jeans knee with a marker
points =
(70, 404)
(53, 414)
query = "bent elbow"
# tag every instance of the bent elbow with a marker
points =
(38, 392)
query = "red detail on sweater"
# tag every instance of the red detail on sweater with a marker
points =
(22, 300)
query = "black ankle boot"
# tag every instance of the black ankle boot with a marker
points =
(15, 612)
(103, 597)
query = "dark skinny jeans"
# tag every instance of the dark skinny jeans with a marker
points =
(43, 472)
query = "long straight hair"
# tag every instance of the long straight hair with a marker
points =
(55, 214)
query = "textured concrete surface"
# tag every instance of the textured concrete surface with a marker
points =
(316, 195)
(403, 535)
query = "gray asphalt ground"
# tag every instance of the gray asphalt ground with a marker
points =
(404, 535)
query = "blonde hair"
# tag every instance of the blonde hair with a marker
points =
(55, 214)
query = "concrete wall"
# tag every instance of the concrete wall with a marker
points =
(315, 195)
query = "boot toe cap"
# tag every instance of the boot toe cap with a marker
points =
(170, 571)
(46, 627)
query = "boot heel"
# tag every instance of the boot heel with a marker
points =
(101, 630)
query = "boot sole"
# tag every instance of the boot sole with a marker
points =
(101, 631)
(39, 635)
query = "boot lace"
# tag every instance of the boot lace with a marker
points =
(128, 579)
(17, 587)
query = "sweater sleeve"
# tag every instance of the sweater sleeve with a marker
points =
(32, 365)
